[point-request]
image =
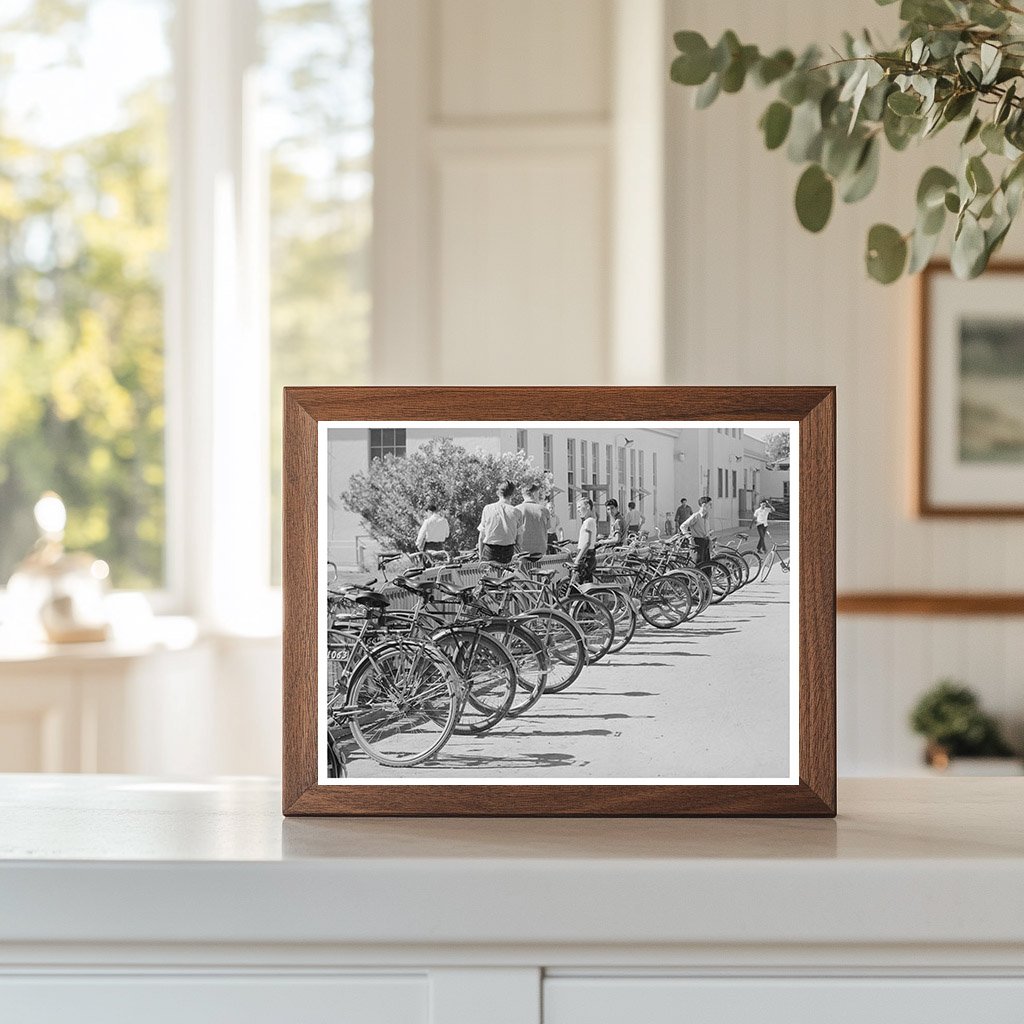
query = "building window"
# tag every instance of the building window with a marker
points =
(549, 453)
(720, 481)
(734, 483)
(570, 475)
(745, 479)
(785, 490)
(622, 477)
(654, 481)
(583, 466)
(632, 474)
(521, 441)
(609, 477)
(386, 442)
(595, 465)
(641, 483)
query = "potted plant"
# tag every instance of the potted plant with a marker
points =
(950, 717)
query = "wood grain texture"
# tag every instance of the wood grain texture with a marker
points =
(813, 407)
(922, 502)
(925, 603)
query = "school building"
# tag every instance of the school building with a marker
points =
(652, 467)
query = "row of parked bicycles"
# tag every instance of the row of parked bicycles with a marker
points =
(470, 645)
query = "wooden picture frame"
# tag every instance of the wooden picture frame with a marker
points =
(810, 790)
(943, 489)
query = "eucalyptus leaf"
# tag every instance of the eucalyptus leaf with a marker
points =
(724, 51)
(973, 130)
(993, 138)
(771, 69)
(805, 133)
(707, 93)
(794, 88)
(904, 103)
(952, 202)
(968, 247)
(775, 124)
(978, 176)
(931, 190)
(886, 253)
(922, 248)
(814, 195)
(865, 173)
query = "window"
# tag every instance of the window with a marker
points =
(720, 481)
(570, 475)
(609, 477)
(549, 453)
(595, 465)
(640, 499)
(583, 464)
(386, 442)
(654, 481)
(521, 441)
(745, 479)
(785, 490)
(622, 478)
(316, 128)
(632, 474)
(84, 171)
(734, 483)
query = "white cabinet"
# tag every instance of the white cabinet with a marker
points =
(132, 898)
(828, 1000)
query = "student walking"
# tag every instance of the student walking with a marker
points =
(499, 527)
(434, 531)
(682, 513)
(586, 550)
(554, 527)
(698, 527)
(761, 516)
(634, 520)
(534, 527)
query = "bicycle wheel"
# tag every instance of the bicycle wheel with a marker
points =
(531, 658)
(753, 560)
(721, 579)
(766, 565)
(622, 611)
(488, 673)
(737, 566)
(594, 621)
(402, 704)
(564, 643)
(665, 602)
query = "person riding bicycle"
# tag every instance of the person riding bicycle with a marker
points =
(697, 526)
(761, 516)
(586, 552)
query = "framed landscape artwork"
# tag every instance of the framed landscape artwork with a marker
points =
(970, 450)
(559, 601)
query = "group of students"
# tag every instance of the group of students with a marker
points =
(533, 527)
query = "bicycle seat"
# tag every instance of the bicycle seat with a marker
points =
(532, 557)
(371, 599)
(464, 594)
(424, 590)
(384, 557)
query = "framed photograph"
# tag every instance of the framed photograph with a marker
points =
(970, 445)
(559, 601)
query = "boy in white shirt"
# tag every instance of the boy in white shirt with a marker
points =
(586, 551)
(434, 531)
(761, 515)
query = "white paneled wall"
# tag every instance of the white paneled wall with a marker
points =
(753, 298)
(547, 212)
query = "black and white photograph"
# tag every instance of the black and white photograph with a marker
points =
(552, 601)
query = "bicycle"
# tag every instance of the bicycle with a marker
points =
(772, 558)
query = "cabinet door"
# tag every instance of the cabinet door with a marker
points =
(782, 1000)
(205, 999)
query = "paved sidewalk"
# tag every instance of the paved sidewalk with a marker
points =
(709, 699)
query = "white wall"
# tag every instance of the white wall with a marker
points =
(754, 299)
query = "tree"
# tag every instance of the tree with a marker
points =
(392, 494)
(957, 60)
(776, 447)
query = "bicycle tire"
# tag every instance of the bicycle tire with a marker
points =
(488, 674)
(595, 622)
(564, 643)
(381, 696)
(531, 660)
(767, 564)
(622, 611)
(660, 601)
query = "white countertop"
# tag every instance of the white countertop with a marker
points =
(120, 859)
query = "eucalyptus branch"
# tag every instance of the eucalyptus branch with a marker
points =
(833, 118)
